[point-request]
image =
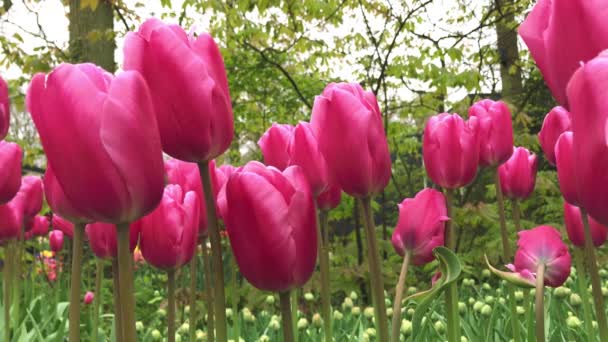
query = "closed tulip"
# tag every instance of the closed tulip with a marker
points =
(31, 195)
(495, 131)
(56, 199)
(59, 223)
(168, 235)
(11, 220)
(564, 160)
(575, 229)
(421, 225)
(330, 198)
(100, 135)
(518, 174)
(588, 103)
(187, 176)
(347, 123)
(10, 170)
(102, 239)
(271, 223)
(450, 150)
(543, 244)
(189, 86)
(88, 297)
(5, 109)
(562, 33)
(556, 122)
(56, 240)
(274, 144)
(219, 176)
(39, 227)
(304, 152)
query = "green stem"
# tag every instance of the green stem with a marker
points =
(286, 318)
(17, 274)
(506, 250)
(208, 293)
(529, 307)
(75, 283)
(582, 290)
(398, 296)
(6, 289)
(96, 305)
(596, 284)
(540, 303)
(119, 333)
(235, 299)
(323, 246)
(216, 255)
(193, 313)
(451, 294)
(171, 306)
(127, 296)
(294, 313)
(375, 270)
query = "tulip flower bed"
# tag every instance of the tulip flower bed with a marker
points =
(155, 235)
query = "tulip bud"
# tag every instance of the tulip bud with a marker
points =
(450, 149)
(56, 240)
(10, 159)
(194, 114)
(421, 225)
(187, 176)
(486, 310)
(347, 123)
(556, 122)
(304, 151)
(5, 109)
(564, 159)
(518, 174)
(330, 198)
(439, 326)
(406, 327)
(89, 297)
(575, 230)
(495, 131)
(274, 144)
(302, 323)
(573, 322)
(338, 315)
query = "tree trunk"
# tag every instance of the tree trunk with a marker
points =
(508, 51)
(92, 33)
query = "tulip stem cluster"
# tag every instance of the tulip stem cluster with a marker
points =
(235, 298)
(171, 305)
(98, 278)
(208, 292)
(219, 296)
(540, 302)
(375, 271)
(506, 249)
(582, 289)
(396, 322)
(127, 295)
(286, 317)
(118, 323)
(75, 282)
(451, 294)
(193, 318)
(596, 284)
(324, 268)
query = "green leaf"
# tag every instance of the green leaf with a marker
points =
(450, 268)
(512, 277)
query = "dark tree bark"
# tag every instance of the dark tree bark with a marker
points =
(510, 71)
(92, 34)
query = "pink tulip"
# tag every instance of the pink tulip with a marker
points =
(542, 244)
(518, 174)
(187, 176)
(495, 131)
(59, 223)
(56, 199)
(219, 176)
(330, 198)
(588, 103)
(450, 150)
(564, 160)
(11, 220)
(562, 33)
(421, 225)
(189, 86)
(10, 170)
(271, 222)
(39, 227)
(31, 195)
(5, 109)
(274, 144)
(100, 135)
(576, 231)
(304, 152)
(89, 297)
(56, 240)
(103, 239)
(347, 123)
(556, 122)
(169, 233)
